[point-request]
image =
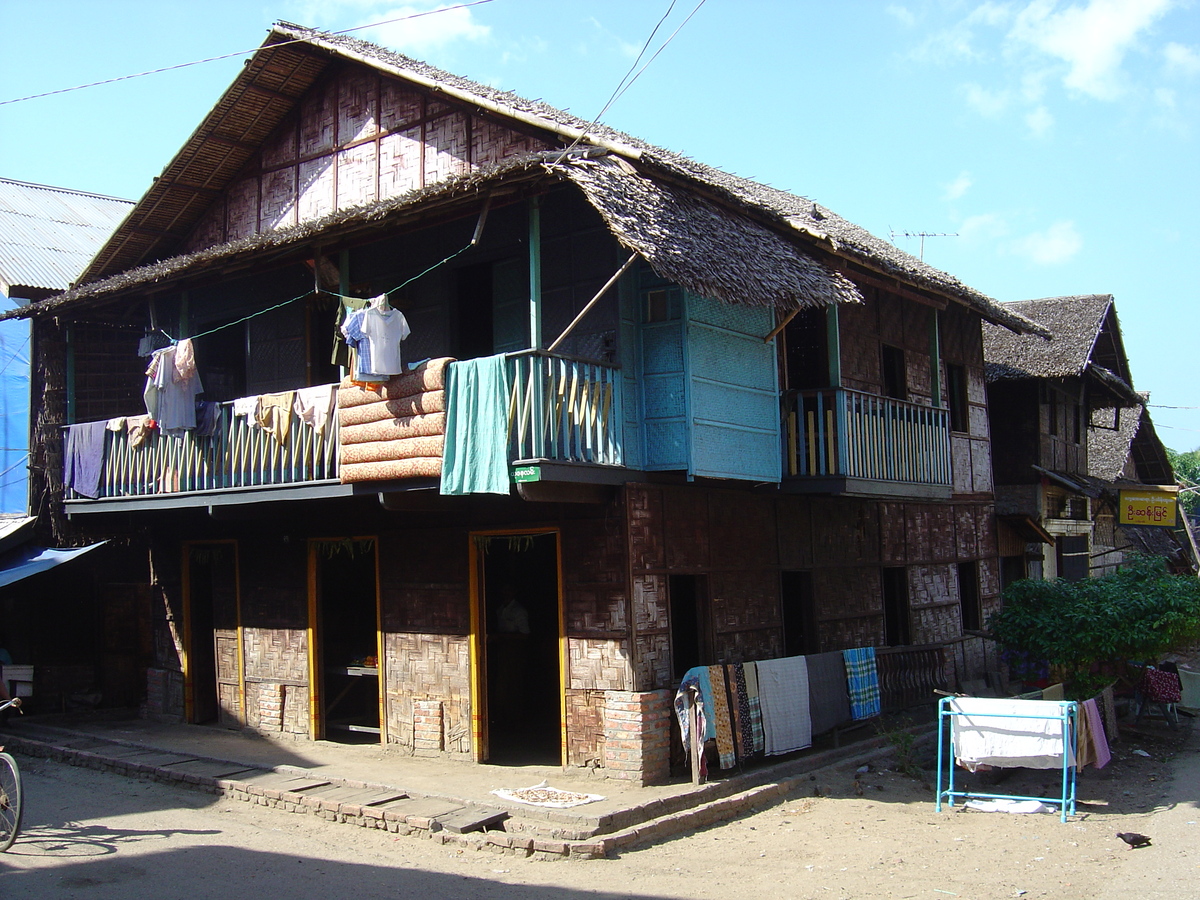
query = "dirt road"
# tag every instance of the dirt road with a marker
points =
(93, 835)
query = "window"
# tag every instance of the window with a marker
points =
(895, 606)
(895, 375)
(956, 396)
(968, 596)
(1073, 556)
(661, 305)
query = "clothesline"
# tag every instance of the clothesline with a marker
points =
(321, 291)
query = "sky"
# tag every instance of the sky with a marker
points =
(1047, 147)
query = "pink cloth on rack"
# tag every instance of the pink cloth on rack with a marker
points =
(1091, 733)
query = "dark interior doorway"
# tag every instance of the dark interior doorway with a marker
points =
(347, 640)
(799, 615)
(214, 663)
(523, 669)
(692, 641)
(896, 631)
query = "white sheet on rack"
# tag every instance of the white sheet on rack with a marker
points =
(1008, 733)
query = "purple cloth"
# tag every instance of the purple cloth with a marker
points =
(84, 458)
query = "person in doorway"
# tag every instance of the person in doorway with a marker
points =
(512, 617)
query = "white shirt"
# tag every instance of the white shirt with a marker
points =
(385, 329)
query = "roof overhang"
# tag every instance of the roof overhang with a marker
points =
(33, 560)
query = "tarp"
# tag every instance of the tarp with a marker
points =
(33, 559)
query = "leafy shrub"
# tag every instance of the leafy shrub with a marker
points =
(1091, 628)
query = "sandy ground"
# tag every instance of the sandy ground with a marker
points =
(94, 835)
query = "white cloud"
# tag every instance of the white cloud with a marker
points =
(1039, 121)
(1182, 60)
(901, 14)
(989, 104)
(424, 29)
(959, 186)
(983, 228)
(1092, 39)
(1056, 244)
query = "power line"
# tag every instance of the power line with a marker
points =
(630, 77)
(80, 87)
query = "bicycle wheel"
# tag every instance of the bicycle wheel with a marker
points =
(10, 801)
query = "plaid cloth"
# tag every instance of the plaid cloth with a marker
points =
(862, 679)
(757, 740)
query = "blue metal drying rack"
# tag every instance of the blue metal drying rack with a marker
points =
(1068, 713)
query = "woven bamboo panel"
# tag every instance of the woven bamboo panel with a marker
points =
(763, 643)
(601, 665)
(794, 526)
(400, 163)
(931, 585)
(743, 526)
(399, 105)
(652, 662)
(295, 709)
(585, 727)
(446, 148)
(209, 230)
(845, 531)
(936, 624)
(241, 209)
(843, 633)
(745, 599)
(356, 176)
(592, 610)
(356, 104)
(685, 528)
(276, 654)
(279, 199)
(645, 538)
(981, 466)
(650, 607)
(317, 119)
(847, 593)
(428, 667)
(316, 189)
(492, 143)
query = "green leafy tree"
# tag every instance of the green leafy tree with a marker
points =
(1090, 630)
(1187, 473)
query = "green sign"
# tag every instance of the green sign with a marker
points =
(527, 473)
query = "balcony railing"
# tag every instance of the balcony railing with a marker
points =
(238, 454)
(564, 409)
(851, 434)
(910, 675)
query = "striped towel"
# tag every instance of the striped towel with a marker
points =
(757, 741)
(862, 679)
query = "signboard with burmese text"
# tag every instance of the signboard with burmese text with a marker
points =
(1147, 508)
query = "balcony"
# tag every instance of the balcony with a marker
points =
(849, 442)
(563, 418)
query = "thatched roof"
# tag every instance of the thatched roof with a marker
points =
(1085, 342)
(1133, 440)
(702, 206)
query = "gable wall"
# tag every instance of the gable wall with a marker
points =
(355, 138)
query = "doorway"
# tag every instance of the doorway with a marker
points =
(212, 677)
(344, 641)
(518, 648)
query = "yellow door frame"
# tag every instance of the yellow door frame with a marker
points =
(477, 643)
(189, 689)
(316, 680)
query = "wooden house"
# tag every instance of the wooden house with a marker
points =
(1075, 432)
(730, 425)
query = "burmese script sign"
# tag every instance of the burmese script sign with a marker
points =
(1147, 508)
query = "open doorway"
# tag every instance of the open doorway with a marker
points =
(344, 627)
(520, 658)
(213, 657)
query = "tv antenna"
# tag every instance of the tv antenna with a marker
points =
(922, 235)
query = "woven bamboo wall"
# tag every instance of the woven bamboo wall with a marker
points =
(356, 137)
(585, 727)
(428, 667)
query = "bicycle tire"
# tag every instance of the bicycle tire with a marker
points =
(11, 801)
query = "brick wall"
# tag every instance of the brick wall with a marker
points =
(637, 736)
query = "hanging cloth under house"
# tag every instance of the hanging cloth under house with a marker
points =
(475, 459)
(862, 680)
(783, 695)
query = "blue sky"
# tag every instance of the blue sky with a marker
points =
(1058, 139)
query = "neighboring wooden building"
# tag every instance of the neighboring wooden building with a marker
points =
(1075, 432)
(768, 435)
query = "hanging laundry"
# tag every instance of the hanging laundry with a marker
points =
(475, 458)
(314, 405)
(828, 694)
(862, 680)
(757, 740)
(695, 680)
(246, 408)
(208, 417)
(722, 720)
(1091, 744)
(783, 693)
(171, 389)
(83, 460)
(384, 328)
(341, 348)
(1009, 733)
(275, 414)
(362, 369)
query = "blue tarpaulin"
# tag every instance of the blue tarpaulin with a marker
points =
(33, 559)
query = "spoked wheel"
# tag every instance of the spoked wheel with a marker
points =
(10, 801)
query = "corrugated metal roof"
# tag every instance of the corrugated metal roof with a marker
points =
(48, 234)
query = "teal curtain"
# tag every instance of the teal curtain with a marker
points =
(475, 460)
